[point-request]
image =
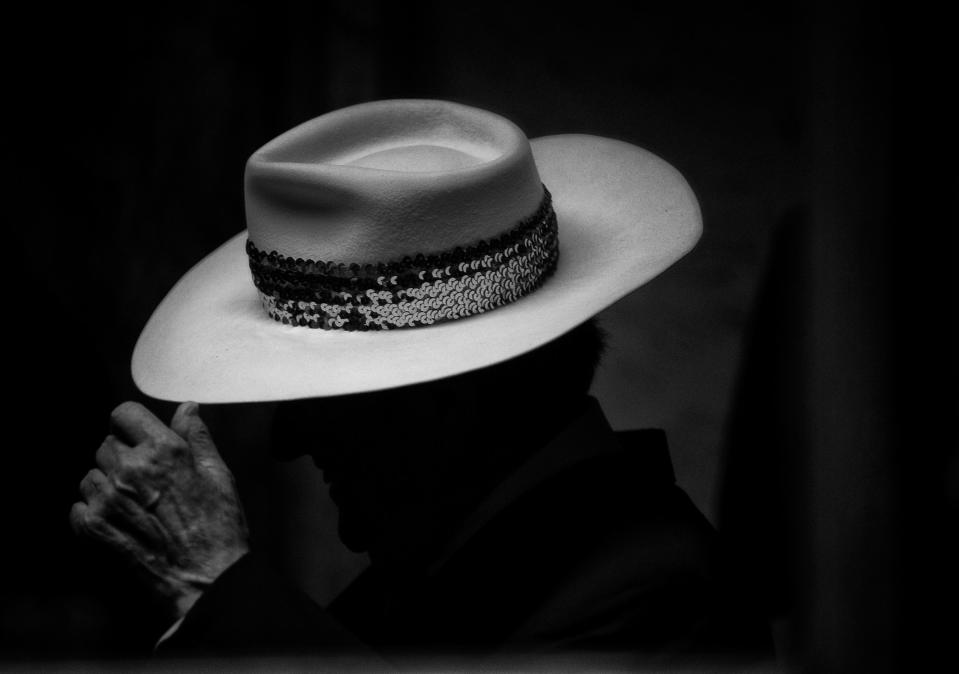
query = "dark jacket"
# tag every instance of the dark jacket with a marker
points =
(589, 547)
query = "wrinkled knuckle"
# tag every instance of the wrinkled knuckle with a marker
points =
(175, 447)
(149, 445)
(155, 451)
(106, 495)
(77, 517)
(95, 514)
(91, 485)
(109, 447)
(89, 478)
(201, 433)
(106, 501)
(95, 525)
(103, 451)
(130, 472)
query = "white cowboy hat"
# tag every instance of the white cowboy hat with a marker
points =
(375, 185)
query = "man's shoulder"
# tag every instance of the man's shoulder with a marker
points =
(619, 511)
(597, 545)
(632, 556)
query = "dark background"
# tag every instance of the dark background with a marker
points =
(125, 134)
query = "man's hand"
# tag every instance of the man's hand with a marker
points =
(163, 498)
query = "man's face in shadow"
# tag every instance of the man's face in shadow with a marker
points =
(395, 461)
(405, 464)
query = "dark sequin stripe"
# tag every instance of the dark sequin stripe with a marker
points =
(414, 291)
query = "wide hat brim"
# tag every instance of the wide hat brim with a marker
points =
(624, 216)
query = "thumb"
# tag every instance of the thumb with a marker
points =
(188, 425)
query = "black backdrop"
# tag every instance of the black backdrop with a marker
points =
(124, 138)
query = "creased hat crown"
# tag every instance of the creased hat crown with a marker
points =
(366, 185)
(379, 181)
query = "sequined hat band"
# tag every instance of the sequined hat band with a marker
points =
(414, 291)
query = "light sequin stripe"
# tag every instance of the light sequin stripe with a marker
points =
(477, 279)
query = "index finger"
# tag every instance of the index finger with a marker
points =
(134, 423)
(108, 453)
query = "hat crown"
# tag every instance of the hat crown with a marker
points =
(380, 181)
